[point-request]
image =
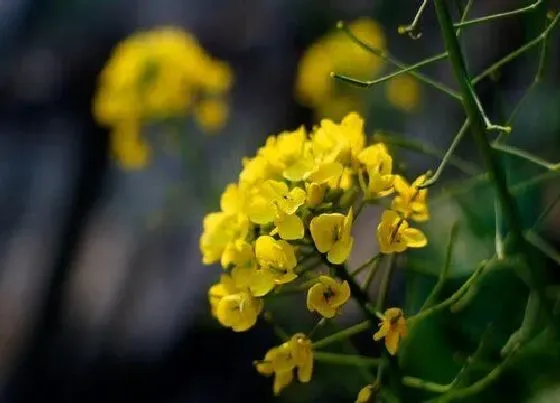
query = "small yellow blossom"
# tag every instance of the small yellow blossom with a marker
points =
(394, 234)
(403, 92)
(327, 296)
(410, 199)
(379, 167)
(232, 306)
(218, 231)
(278, 256)
(271, 196)
(127, 145)
(239, 311)
(211, 114)
(392, 328)
(295, 355)
(331, 233)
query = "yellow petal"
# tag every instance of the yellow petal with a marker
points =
(383, 330)
(364, 395)
(261, 282)
(261, 211)
(289, 226)
(340, 251)
(392, 342)
(342, 294)
(326, 172)
(414, 238)
(281, 380)
(323, 230)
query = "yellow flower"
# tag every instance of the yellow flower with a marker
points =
(379, 166)
(239, 311)
(403, 92)
(290, 153)
(327, 296)
(392, 328)
(410, 200)
(278, 256)
(238, 253)
(222, 228)
(288, 226)
(394, 234)
(339, 142)
(218, 230)
(332, 233)
(365, 394)
(294, 355)
(225, 287)
(246, 274)
(271, 196)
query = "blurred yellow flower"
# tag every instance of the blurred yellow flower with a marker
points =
(394, 234)
(156, 75)
(379, 167)
(336, 52)
(403, 92)
(365, 394)
(392, 328)
(327, 296)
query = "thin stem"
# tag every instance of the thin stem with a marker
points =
(342, 335)
(492, 17)
(371, 275)
(420, 147)
(410, 28)
(511, 150)
(345, 359)
(513, 55)
(315, 327)
(418, 383)
(366, 265)
(499, 240)
(466, 11)
(547, 249)
(453, 298)
(546, 211)
(447, 156)
(280, 333)
(389, 58)
(371, 83)
(447, 264)
(385, 282)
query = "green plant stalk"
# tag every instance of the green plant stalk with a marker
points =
(384, 284)
(447, 264)
(345, 359)
(342, 335)
(492, 17)
(478, 126)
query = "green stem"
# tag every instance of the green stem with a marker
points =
(371, 83)
(547, 249)
(389, 58)
(443, 275)
(371, 275)
(422, 148)
(478, 121)
(492, 17)
(365, 265)
(345, 359)
(511, 150)
(417, 383)
(384, 284)
(466, 11)
(546, 211)
(410, 28)
(511, 56)
(453, 298)
(447, 156)
(342, 335)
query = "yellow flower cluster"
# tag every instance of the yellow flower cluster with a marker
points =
(156, 75)
(294, 201)
(335, 52)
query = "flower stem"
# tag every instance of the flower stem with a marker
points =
(384, 285)
(345, 359)
(551, 166)
(443, 275)
(492, 17)
(342, 335)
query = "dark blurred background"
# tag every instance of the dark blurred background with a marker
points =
(100, 301)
